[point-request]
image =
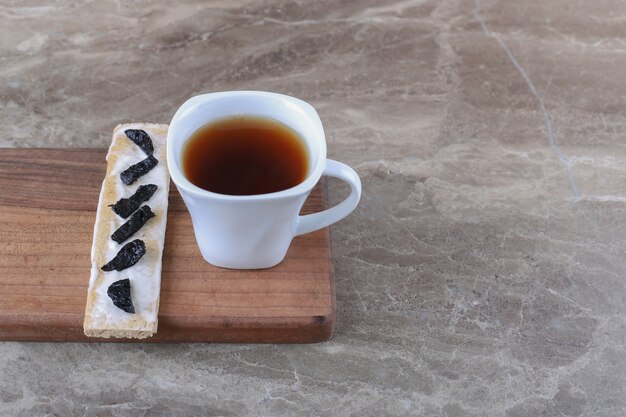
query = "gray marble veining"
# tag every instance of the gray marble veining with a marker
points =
(483, 273)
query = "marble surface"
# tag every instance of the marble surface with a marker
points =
(483, 273)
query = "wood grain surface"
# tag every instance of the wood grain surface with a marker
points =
(48, 200)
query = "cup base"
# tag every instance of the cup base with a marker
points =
(243, 263)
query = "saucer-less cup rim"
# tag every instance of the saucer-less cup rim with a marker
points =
(320, 165)
(191, 105)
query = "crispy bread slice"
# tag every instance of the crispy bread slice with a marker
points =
(102, 317)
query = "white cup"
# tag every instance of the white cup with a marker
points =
(254, 231)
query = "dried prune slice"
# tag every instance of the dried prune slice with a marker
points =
(128, 256)
(141, 139)
(136, 221)
(127, 206)
(119, 293)
(133, 172)
(133, 224)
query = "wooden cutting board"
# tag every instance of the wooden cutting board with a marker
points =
(48, 200)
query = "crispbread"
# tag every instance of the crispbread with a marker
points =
(102, 318)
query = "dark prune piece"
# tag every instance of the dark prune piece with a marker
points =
(141, 139)
(137, 170)
(119, 293)
(128, 256)
(127, 206)
(136, 221)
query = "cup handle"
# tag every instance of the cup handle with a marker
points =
(316, 221)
